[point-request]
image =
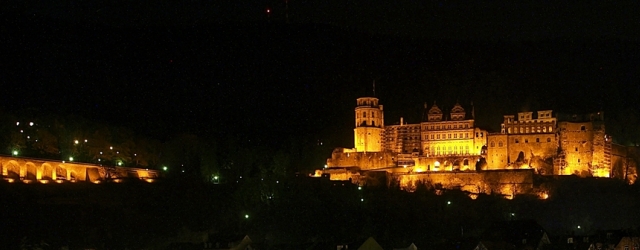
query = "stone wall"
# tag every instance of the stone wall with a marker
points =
(363, 160)
(506, 182)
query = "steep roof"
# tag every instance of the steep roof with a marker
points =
(370, 244)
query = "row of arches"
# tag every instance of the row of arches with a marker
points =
(30, 171)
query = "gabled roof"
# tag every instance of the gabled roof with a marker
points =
(370, 244)
(410, 247)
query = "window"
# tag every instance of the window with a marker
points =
(582, 128)
(364, 114)
(431, 137)
(493, 144)
(576, 149)
(455, 136)
(438, 136)
(526, 140)
(537, 139)
(548, 139)
(373, 115)
(500, 144)
(449, 136)
(517, 141)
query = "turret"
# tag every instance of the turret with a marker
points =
(369, 129)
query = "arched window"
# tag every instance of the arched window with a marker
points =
(493, 144)
(500, 144)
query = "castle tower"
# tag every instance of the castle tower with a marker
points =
(369, 130)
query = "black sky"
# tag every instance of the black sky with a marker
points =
(223, 67)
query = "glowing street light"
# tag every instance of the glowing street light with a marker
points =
(70, 158)
(448, 202)
(246, 216)
(119, 163)
(76, 141)
(165, 168)
(15, 152)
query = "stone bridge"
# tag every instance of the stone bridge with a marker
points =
(30, 170)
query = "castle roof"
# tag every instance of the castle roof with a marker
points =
(435, 110)
(457, 108)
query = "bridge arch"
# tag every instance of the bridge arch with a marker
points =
(60, 173)
(12, 169)
(47, 172)
(31, 171)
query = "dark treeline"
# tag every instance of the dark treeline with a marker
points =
(73, 138)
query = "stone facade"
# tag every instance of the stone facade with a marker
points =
(524, 142)
(441, 147)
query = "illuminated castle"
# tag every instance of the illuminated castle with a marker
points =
(451, 150)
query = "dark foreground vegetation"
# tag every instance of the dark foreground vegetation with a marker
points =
(291, 212)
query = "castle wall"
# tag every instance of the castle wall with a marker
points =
(576, 140)
(506, 182)
(363, 160)
(497, 152)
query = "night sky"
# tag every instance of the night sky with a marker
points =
(226, 68)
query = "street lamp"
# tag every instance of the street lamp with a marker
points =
(15, 152)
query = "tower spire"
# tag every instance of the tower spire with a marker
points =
(374, 87)
(473, 111)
